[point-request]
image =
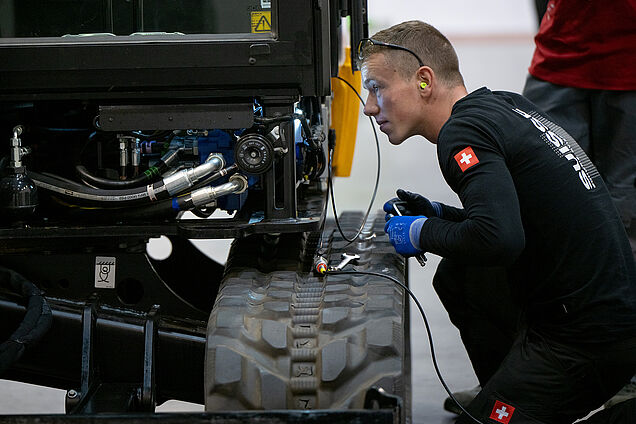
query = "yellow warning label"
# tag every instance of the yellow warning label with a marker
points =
(262, 21)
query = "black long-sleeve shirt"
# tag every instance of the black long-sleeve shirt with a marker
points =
(534, 202)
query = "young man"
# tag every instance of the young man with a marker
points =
(538, 233)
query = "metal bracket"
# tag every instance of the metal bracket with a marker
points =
(148, 397)
(377, 398)
(76, 401)
(171, 117)
(95, 395)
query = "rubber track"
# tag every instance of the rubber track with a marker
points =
(285, 339)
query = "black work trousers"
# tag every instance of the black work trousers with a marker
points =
(526, 376)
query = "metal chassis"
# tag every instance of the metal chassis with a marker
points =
(121, 390)
(296, 215)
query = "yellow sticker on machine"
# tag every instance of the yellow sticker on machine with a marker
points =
(261, 22)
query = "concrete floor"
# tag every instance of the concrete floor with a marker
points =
(496, 62)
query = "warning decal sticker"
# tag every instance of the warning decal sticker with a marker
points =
(261, 21)
(105, 272)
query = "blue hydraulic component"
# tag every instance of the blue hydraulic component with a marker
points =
(199, 145)
(218, 141)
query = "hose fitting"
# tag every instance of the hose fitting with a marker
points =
(205, 195)
(17, 151)
(182, 180)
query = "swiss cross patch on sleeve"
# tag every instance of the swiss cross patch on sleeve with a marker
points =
(501, 412)
(466, 158)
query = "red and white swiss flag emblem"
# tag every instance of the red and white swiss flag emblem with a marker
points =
(502, 412)
(466, 158)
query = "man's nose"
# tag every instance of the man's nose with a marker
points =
(371, 106)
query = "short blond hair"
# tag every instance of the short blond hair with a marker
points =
(426, 41)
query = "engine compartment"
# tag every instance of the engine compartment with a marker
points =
(81, 162)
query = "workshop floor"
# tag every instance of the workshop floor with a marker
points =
(497, 62)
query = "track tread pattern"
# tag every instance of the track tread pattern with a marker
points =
(281, 338)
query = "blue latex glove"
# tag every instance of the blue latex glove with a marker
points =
(411, 204)
(404, 233)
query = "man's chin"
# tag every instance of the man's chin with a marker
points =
(395, 140)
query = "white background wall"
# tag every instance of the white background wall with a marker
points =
(458, 17)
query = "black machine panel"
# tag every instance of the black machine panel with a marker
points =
(189, 49)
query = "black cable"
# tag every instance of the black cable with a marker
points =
(428, 330)
(320, 251)
(277, 119)
(106, 183)
(377, 178)
(151, 175)
(35, 324)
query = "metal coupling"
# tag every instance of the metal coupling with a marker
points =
(186, 178)
(171, 156)
(17, 151)
(123, 152)
(203, 196)
(135, 153)
(213, 163)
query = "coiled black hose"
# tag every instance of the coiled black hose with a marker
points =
(37, 320)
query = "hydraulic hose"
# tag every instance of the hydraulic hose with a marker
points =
(36, 322)
(203, 196)
(156, 191)
(160, 190)
(150, 175)
(182, 180)
(162, 208)
(222, 173)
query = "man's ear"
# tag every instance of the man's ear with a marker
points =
(424, 77)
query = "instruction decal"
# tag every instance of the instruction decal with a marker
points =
(104, 272)
(261, 21)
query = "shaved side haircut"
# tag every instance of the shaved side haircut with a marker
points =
(427, 42)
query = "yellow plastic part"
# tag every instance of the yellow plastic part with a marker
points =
(345, 109)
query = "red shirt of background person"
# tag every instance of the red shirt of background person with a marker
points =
(587, 44)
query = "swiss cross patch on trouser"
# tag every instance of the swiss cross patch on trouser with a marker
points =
(501, 412)
(466, 158)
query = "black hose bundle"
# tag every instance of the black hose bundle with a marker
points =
(36, 322)
(141, 180)
(151, 175)
(82, 194)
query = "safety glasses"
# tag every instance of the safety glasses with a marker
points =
(365, 42)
